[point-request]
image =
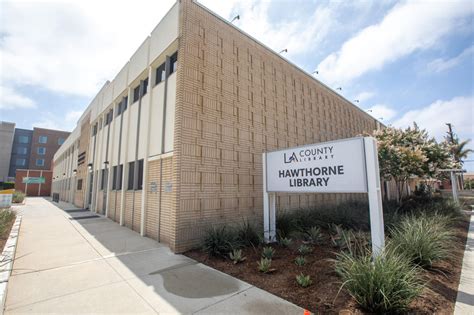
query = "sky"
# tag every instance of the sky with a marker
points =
(401, 61)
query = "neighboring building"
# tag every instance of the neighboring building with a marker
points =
(29, 150)
(21, 150)
(173, 144)
(7, 130)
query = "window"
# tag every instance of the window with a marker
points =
(117, 177)
(131, 175)
(160, 73)
(60, 141)
(41, 150)
(140, 175)
(94, 130)
(125, 104)
(43, 139)
(103, 179)
(20, 162)
(136, 93)
(79, 184)
(131, 170)
(23, 139)
(109, 117)
(174, 62)
(145, 86)
(118, 109)
(39, 162)
(21, 150)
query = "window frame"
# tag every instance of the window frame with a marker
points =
(20, 159)
(20, 137)
(43, 137)
(36, 162)
(38, 151)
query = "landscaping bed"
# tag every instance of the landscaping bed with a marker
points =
(325, 294)
(7, 218)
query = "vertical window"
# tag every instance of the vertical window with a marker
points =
(103, 179)
(145, 86)
(131, 167)
(21, 150)
(118, 109)
(94, 129)
(140, 175)
(60, 141)
(136, 93)
(160, 73)
(79, 184)
(117, 177)
(41, 150)
(174, 62)
(43, 139)
(125, 103)
(23, 139)
(39, 162)
(114, 178)
(20, 162)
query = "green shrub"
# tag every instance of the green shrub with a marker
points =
(6, 217)
(248, 234)
(264, 265)
(284, 224)
(285, 242)
(356, 243)
(220, 241)
(424, 239)
(18, 197)
(304, 281)
(313, 235)
(236, 256)
(389, 283)
(268, 252)
(305, 249)
(7, 185)
(300, 261)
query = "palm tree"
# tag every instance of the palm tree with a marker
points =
(460, 152)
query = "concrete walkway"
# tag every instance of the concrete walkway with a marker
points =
(465, 299)
(93, 265)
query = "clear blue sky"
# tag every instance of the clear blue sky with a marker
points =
(403, 60)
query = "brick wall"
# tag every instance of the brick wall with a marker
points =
(34, 189)
(235, 100)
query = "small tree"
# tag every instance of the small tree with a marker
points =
(410, 152)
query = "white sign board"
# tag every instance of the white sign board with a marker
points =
(329, 167)
(343, 166)
(5, 200)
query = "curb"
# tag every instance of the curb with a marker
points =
(6, 261)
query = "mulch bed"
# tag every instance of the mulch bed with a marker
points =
(6, 233)
(325, 294)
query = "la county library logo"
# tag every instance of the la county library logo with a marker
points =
(309, 154)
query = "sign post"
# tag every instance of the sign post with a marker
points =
(342, 166)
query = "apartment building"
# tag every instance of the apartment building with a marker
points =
(173, 144)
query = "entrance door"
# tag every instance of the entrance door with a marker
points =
(91, 181)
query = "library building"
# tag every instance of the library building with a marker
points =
(173, 144)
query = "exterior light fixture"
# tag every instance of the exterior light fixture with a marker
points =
(339, 88)
(315, 72)
(89, 166)
(74, 171)
(380, 118)
(64, 174)
(369, 110)
(356, 101)
(106, 163)
(284, 50)
(237, 17)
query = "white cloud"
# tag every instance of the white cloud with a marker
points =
(72, 47)
(439, 65)
(457, 111)
(383, 112)
(364, 96)
(298, 35)
(408, 27)
(11, 99)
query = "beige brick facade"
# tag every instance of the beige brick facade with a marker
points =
(235, 100)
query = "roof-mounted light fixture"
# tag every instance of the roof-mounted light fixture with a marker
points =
(283, 51)
(237, 17)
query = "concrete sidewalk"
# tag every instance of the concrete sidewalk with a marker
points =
(465, 299)
(93, 265)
